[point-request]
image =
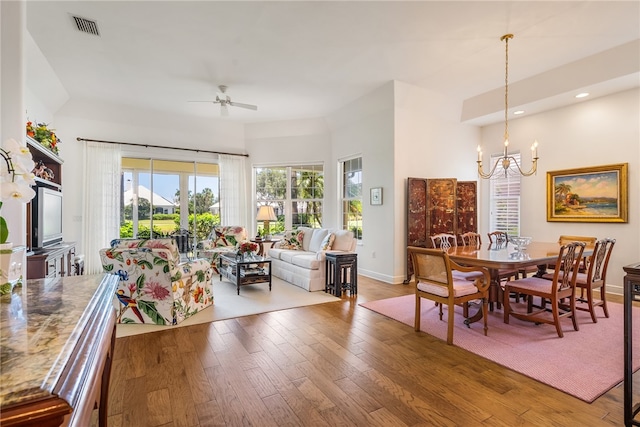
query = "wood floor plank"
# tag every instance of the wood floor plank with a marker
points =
(383, 417)
(135, 410)
(246, 396)
(230, 406)
(199, 385)
(202, 348)
(334, 393)
(281, 412)
(210, 414)
(159, 407)
(333, 364)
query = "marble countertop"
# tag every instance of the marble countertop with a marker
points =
(39, 326)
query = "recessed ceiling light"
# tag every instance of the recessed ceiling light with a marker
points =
(517, 113)
(582, 95)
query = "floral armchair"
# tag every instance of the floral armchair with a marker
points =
(223, 238)
(155, 287)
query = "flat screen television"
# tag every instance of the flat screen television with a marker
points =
(46, 218)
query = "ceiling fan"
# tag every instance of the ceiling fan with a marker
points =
(224, 100)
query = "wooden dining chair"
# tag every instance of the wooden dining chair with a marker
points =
(471, 239)
(434, 281)
(561, 287)
(499, 240)
(443, 241)
(594, 279)
(589, 241)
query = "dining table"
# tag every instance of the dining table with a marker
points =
(497, 257)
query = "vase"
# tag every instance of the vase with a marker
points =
(10, 266)
(6, 252)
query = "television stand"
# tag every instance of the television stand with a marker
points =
(52, 261)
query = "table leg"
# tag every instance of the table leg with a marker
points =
(495, 295)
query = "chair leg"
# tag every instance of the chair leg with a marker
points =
(603, 298)
(572, 301)
(485, 314)
(507, 308)
(556, 319)
(592, 310)
(450, 324)
(416, 325)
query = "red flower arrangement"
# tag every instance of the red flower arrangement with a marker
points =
(245, 247)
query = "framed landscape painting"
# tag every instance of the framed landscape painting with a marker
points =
(594, 194)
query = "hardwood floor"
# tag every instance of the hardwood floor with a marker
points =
(334, 364)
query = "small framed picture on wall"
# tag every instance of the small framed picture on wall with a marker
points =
(376, 196)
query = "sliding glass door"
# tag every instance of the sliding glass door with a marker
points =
(162, 197)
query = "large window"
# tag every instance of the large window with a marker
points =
(160, 197)
(295, 193)
(352, 196)
(505, 199)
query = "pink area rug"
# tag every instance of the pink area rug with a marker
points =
(585, 363)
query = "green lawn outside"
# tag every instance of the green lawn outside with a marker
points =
(166, 225)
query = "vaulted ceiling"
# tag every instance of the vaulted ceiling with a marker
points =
(306, 59)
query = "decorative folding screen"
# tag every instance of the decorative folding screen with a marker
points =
(443, 205)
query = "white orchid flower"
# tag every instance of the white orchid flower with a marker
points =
(16, 173)
(19, 191)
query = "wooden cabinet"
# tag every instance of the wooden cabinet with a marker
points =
(442, 205)
(50, 160)
(54, 261)
(631, 294)
(58, 337)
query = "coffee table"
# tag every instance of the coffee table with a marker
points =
(249, 270)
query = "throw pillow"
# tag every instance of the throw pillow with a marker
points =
(327, 242)
(298, 239)
(292, 240)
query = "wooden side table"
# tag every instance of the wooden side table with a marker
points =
(262, 242)
(341, 273)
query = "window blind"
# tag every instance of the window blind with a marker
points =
(505, 199)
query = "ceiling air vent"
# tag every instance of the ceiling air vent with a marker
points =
(86, 25)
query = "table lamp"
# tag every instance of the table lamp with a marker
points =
(266, 214)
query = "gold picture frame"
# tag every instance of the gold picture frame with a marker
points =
(591, 194)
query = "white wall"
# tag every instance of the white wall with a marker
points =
(597, 132)
(430, 142)
(365, 128)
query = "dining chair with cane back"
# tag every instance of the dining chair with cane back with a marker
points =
(561, 287)
(434, 281)
(445, 241)
(594, 279)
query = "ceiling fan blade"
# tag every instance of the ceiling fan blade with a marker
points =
(224, 110)
(203, 101)
(247, 106)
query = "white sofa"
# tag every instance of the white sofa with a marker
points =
(305, 265)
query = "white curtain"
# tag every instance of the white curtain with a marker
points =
(233, 191)
(101, 191)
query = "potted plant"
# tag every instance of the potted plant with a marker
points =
(16, 180)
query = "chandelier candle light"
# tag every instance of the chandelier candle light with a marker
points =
(506, 159)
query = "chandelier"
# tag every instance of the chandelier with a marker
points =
(506, 160)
